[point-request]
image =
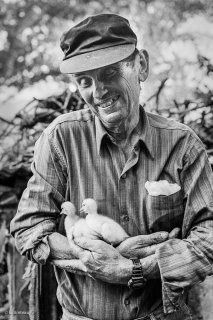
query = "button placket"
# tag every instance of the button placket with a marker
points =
(122, 196)
(124, 176)
(125, 218)
(132, 160)
(126, 302)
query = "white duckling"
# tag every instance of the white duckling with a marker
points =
(109, 230)
(69, 210)
(74, 225)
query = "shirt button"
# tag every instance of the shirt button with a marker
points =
(124, 176)
(125, 218)
(126, 302)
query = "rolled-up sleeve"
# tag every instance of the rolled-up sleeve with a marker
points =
(40, 204)
(186, 262)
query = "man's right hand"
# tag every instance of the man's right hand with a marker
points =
(145, 245)
(62, 248)
(64, 254)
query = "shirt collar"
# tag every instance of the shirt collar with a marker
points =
(144, 132)
(100, 133)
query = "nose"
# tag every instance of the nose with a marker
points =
(99, 89)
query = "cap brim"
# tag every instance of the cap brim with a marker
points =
(96, 59)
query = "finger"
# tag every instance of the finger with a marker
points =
(150, 239)
(148, 251)
(174, 233)
(154, 238)
(74, 265)
(142, 252)
(157, 237)
(90, 244)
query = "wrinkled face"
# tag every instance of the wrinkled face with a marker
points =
(112, 93)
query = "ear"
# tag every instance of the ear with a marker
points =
(144, 65)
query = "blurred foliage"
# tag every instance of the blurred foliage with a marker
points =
(18, 136)
(31, 29)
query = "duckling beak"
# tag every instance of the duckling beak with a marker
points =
(63, 211)
(82, 211)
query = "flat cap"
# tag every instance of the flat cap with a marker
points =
(95, 42)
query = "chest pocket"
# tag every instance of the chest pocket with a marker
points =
(165, 212)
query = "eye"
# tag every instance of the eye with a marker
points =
(84, 82)
(110, 72)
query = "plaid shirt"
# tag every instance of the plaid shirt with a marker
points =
(76, 159)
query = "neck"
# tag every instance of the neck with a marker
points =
(124, 132)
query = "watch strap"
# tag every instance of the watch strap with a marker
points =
(137, 280)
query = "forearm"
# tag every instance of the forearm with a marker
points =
(184, 263)
(123, 273)
(59, 247)
(150, 267)
(191, 258)
(144, 247)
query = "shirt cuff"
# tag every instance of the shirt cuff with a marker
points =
(33, 243)
(172, 295)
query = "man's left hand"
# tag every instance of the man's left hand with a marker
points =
(142, 246)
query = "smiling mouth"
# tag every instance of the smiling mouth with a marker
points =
(108, 103)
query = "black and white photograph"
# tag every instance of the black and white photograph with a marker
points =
(106, 159)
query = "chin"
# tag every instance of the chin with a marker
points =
(112, 121)
(114, 117)
(114, 126)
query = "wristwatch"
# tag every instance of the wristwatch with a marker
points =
(137, 280)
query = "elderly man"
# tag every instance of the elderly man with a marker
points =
(108, 152)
